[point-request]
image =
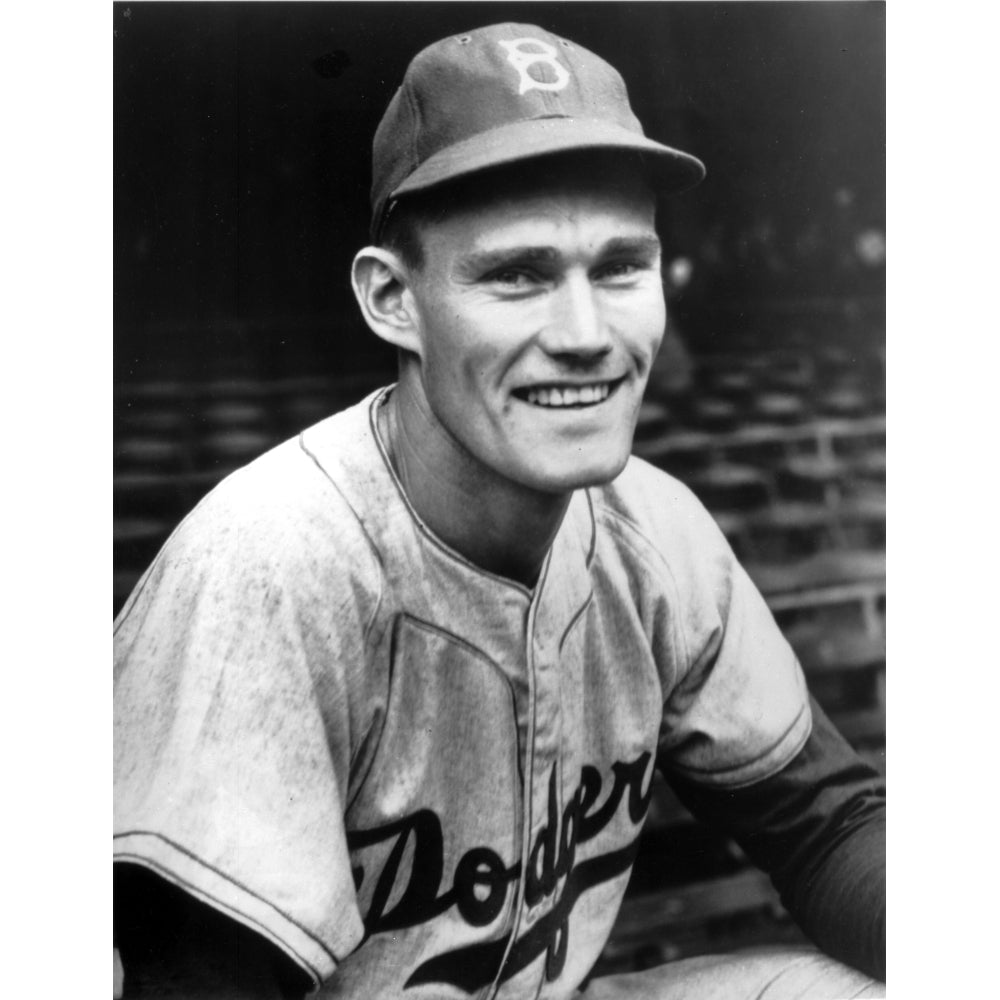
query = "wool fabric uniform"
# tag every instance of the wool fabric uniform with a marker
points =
(416, 777)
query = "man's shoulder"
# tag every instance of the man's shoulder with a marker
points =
(653, 503)
(287, 507)
(299, 479)
(653, 526)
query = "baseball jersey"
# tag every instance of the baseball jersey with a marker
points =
(417, 778)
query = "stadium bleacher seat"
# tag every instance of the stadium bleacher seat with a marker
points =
(712, 413)
(654, 420)
(727, 487)
(777, 408)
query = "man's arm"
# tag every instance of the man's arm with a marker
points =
(817, 827)
(174, 946)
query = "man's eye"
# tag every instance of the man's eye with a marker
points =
(620, 270)
(512, 278)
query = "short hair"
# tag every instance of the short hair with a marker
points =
(402, 231)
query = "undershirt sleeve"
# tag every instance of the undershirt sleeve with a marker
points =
(232, 746)
(817, 827)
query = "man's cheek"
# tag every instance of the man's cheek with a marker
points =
(649, 346)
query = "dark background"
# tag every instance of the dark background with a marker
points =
(241, 167)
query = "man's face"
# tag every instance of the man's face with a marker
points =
(540, 313)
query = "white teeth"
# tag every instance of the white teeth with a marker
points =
(570, 395)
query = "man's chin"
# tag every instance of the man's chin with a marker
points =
(564, 477)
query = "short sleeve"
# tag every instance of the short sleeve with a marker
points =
(741, 711)
(232, 725)
(736, 707)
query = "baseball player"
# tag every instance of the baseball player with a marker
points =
(390, 699)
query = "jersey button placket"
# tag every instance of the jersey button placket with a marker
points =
(542, 863)
(522, 917)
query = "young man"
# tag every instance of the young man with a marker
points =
(389, 701)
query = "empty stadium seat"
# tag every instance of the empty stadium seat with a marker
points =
(149, 453)
(782, 532)
(825, 570)
(723, 486)
(815, 479)
(778, 408)
(234, 446)
(654, 420)
(712, 413)
(678, 452)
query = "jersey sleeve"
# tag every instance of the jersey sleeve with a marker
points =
(736, 708)
(233, 729)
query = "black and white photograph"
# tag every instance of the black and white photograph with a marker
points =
(499, 500)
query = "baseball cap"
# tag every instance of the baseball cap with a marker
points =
(501, 94)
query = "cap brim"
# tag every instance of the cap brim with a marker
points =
(671, 170)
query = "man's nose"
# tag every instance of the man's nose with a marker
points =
(576, 325)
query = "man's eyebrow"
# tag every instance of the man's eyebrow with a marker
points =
(488, 260)
(640, 246)
(482, 261)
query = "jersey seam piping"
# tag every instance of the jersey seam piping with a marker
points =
(227, 909)
(746, 765)
(578, 614)
(424, 530)
(615, 522)
(239, 885)
(458, 640)
(377, 555)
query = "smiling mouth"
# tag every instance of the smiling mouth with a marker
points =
(555, 397)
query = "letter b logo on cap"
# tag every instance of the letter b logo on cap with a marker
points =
(521, 59)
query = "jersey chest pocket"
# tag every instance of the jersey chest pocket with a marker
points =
(444, 781)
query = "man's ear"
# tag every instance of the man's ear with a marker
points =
(381, 286)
